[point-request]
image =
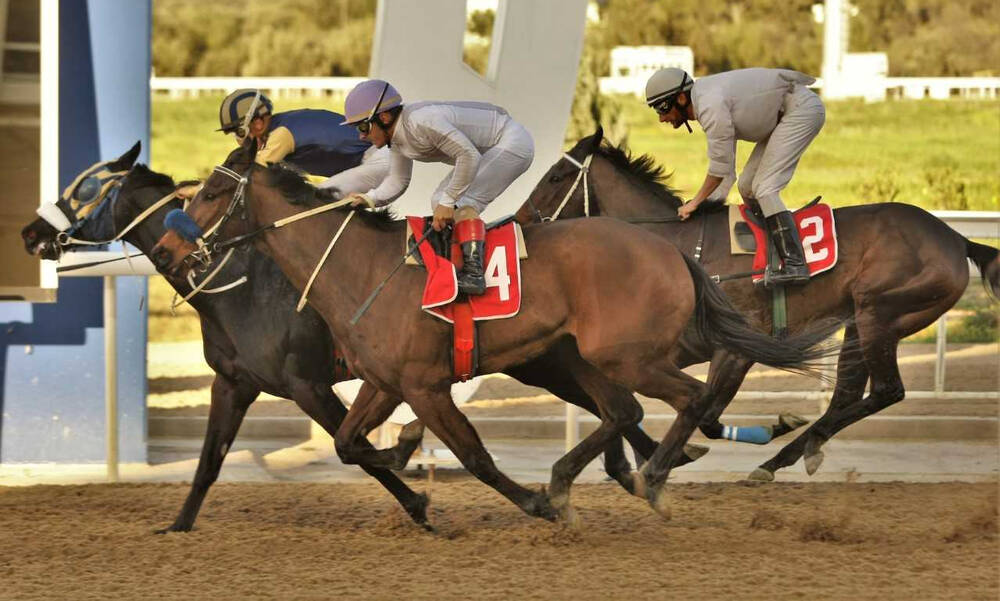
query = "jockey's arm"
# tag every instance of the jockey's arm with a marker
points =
(718, 125)
(280, 143)
(707, 187)
(398, 180)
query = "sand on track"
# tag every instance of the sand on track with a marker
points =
(328, 541)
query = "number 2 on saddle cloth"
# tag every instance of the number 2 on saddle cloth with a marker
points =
(816, 230)
(503, 288)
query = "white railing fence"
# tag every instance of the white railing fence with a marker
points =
(276, 87)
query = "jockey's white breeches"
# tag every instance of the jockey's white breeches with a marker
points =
(498, 168)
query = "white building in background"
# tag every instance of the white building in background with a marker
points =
(844, 74)
(631, 66)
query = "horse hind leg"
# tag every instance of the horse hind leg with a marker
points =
(852, 376)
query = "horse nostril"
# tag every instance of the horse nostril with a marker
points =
(161, 257)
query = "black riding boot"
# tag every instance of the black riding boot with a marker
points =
(470, 279)
(785, 236)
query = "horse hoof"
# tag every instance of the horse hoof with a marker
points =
(813, 462)
(661, 504)
(540, 506)
(417, 509)
(569, 517)
(792, 421)
(695, 452)
(761, 475)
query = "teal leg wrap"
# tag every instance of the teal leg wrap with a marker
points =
(751, 434)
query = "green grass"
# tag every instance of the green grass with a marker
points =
(935, 154)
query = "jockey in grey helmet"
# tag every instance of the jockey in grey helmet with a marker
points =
(488, 149)
(311, 140)
(772, 107)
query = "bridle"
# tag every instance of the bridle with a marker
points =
(207, 244)
(581, 176)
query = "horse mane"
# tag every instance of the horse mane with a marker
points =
(644, 170)
(293, 185)
(141, 176)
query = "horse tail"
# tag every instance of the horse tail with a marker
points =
(720, 325)
(985, 258)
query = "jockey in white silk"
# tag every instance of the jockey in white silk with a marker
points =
(773, 108)
(488, 149)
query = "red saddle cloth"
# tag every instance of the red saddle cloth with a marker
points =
(501, 299)
(502, 269)
(817, 231)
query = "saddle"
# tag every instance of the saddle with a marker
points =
(748, 235)
(441, 256)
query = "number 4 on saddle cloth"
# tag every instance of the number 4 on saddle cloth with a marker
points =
(817, 231)
(503, 250)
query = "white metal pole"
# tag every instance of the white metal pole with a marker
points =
(942, 346)
(572, 426)
(111, 376)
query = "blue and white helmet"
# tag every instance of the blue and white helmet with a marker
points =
(369, 98)
(241, 107)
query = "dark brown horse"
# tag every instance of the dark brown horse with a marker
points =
(612, 316)
(900, 268)
(253, 339)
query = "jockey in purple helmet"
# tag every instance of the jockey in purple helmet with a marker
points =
(312, 140)
(488, 149)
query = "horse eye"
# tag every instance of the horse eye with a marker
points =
(555, 179)
(209, 195)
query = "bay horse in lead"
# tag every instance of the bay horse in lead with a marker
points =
(614, 315)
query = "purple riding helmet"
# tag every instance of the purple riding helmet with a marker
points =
(369, 98)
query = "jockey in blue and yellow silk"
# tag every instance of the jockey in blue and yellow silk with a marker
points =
(487, 148)
(311, 140)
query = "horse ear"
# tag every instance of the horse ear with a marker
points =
(595, 140)
(250, 145)
(125, 161)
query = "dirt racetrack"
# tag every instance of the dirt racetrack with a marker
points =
(329, 541)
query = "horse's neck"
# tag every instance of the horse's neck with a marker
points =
(362, 254)
(620, 197)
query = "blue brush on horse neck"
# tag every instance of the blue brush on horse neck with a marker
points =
(182, 223)
(751, 434)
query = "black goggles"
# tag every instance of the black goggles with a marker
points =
(666, 105)
(364, 127)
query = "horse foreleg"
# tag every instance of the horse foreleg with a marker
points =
(320, 403)
(725, 375)
(852, 376)
(230, 400)
(437, 411)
